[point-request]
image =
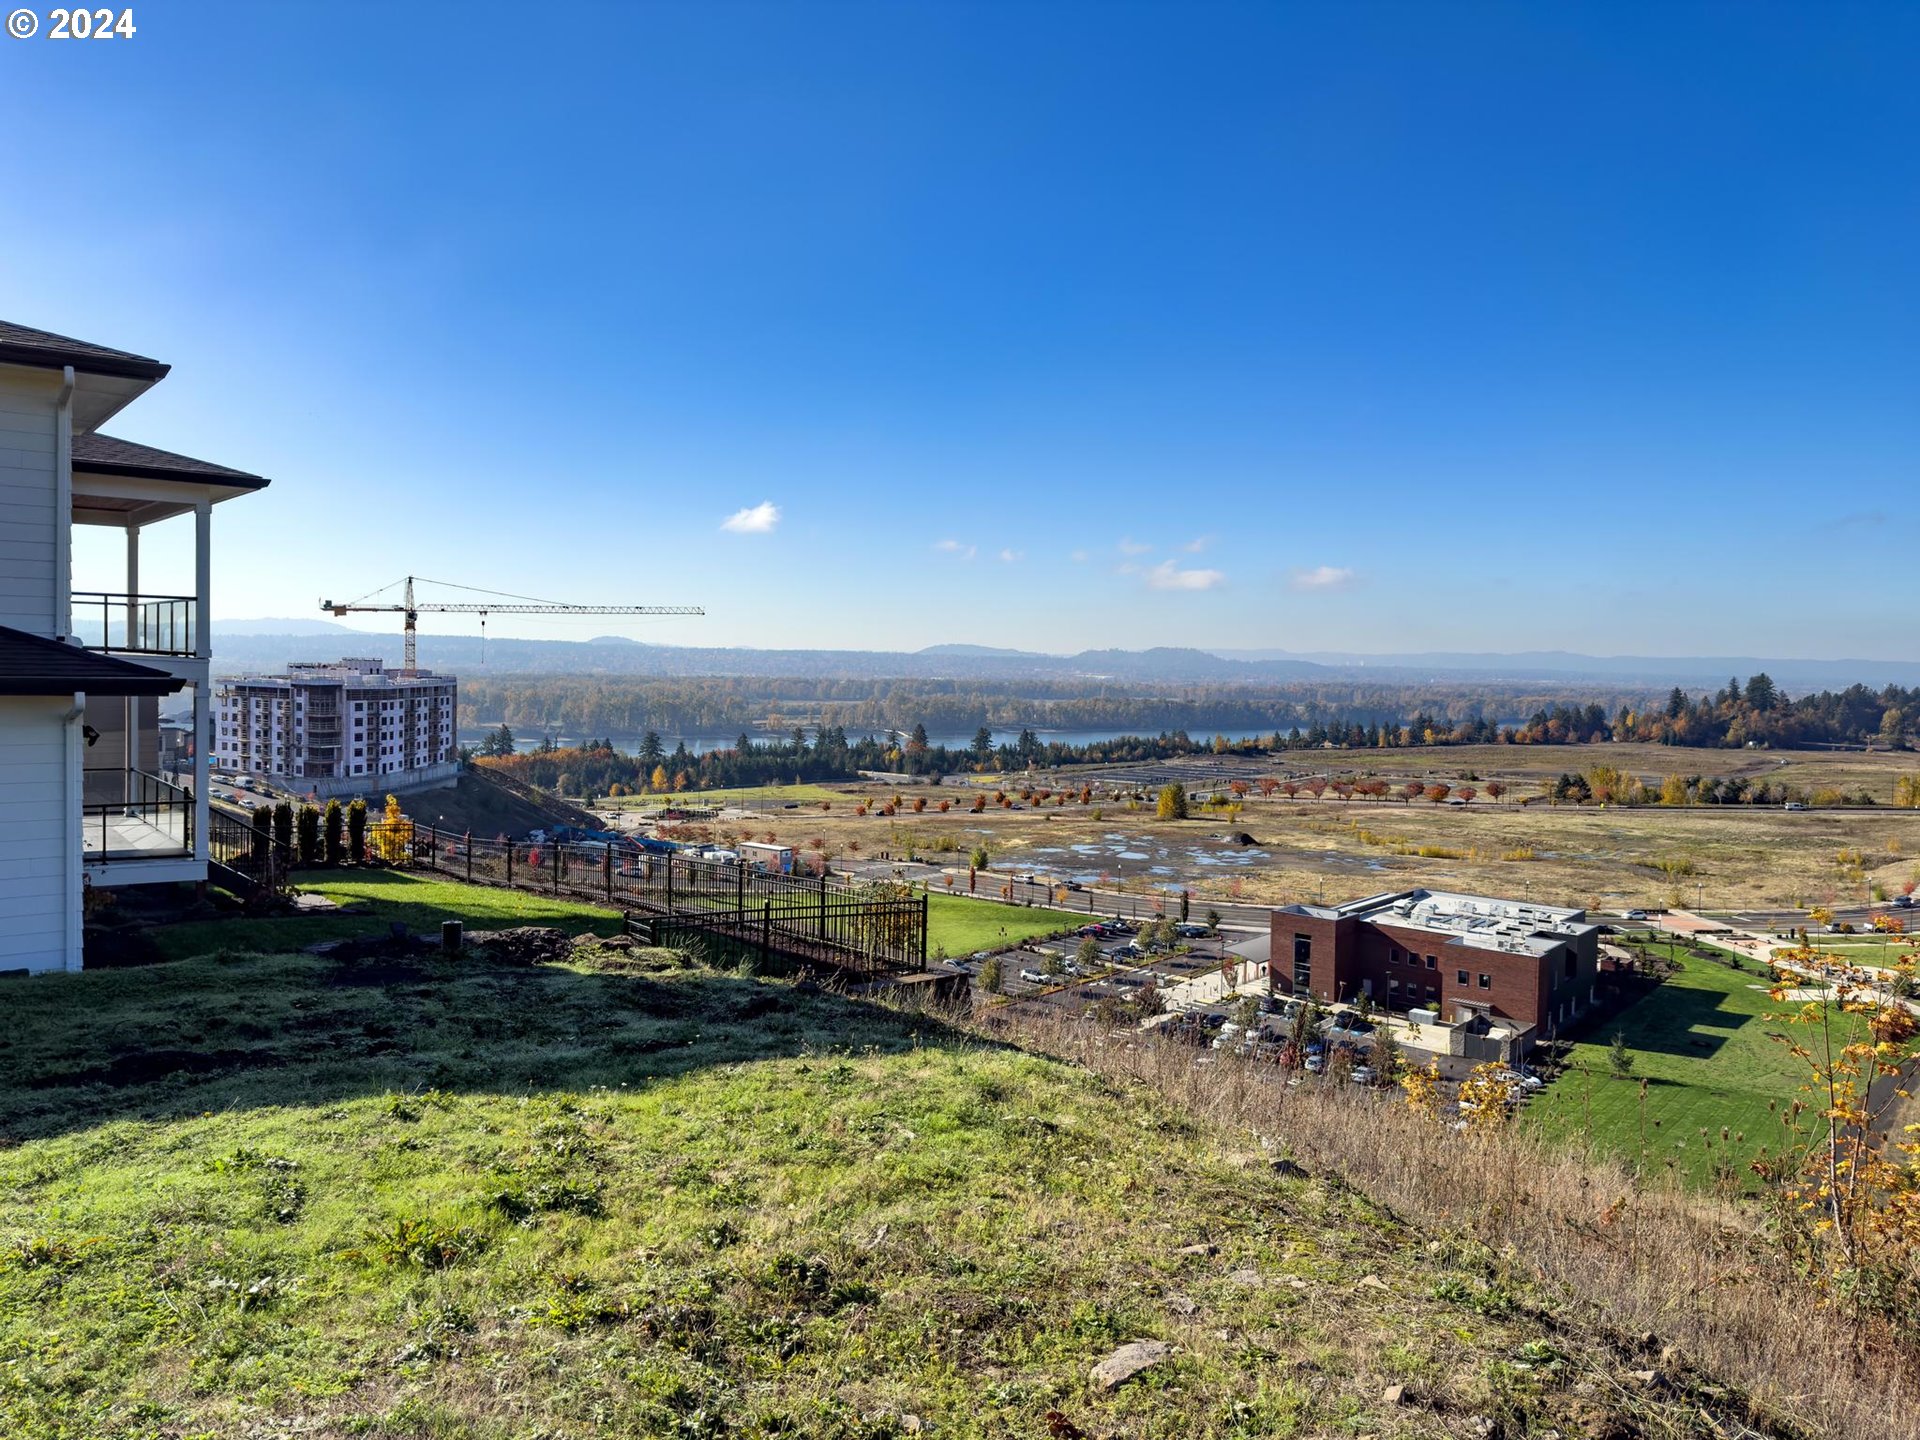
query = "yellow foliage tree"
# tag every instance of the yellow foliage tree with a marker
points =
(1422, 1087)
(1847, 1204)
(391, 836)
(1486, 1096)
(1673, 791)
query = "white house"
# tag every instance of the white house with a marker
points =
(84, 799)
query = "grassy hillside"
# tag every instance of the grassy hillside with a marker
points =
(269, 1194)
(1705, 1047)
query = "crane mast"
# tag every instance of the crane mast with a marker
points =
(411, 608)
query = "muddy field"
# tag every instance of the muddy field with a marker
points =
(1719, 857)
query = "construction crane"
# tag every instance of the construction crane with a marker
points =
(517, 605)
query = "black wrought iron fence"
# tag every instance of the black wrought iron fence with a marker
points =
(867, 927)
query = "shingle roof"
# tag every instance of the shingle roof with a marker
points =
(104, 455)
(23, 345)
(35, 665)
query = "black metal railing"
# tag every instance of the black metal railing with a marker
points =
(132, 815)
(136, 624)
(864, 927)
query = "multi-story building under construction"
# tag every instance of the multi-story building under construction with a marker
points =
(343, 727)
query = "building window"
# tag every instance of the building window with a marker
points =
(1486, 982)
(1433, 962)
(1393, 954)
(1302, 961)
(1462, 976)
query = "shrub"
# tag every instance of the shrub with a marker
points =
(357, 832)
(283, 826)
(307, 835)
(335, 833)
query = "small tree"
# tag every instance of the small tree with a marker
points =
(1388, 1059)
(391, 833)
(307, 835)
(283, 827)
(1088, 956)
(335, 832)
(979, 859)
(992, 974)
(1619, 1057)
(357, 831)
(1213, 922)
(1173, 801)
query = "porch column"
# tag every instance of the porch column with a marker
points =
(203, 577)
(200, 807)
(130, 706)
(203, 647)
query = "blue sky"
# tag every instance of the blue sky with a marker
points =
(1351, 326)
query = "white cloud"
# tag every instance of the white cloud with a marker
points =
(1321, 577)
(1009, 557)
(1079, 557)
(1133, 547)
(1197, 544)
(954, 547)
(1168, 576)
(754, 520)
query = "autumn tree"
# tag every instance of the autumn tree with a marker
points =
(1172, 804)
(1495, 789)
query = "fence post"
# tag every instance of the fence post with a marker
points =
(669, 882)
(509, 864)
(823, 905)
(469, 857)
(766, 933)
(923, 929)
(740, 887)
(559, 859)
(433, 846)
(606, 872)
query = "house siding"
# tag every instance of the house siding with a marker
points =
(38, 895)
(32, 530)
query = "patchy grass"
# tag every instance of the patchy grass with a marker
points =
(631, 1197)
(388, 896)
(1701, 1042)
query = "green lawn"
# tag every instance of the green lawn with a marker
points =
(960, 924)
(1701, 1042)
(252, 1195)
(390, 895)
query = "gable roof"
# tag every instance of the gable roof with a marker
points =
(23, 345)
(104, 455)
(36, 665)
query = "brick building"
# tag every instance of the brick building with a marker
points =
(1459, 956)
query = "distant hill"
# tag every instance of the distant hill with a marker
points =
(247, 646)
(1568, 666)
(282, 626)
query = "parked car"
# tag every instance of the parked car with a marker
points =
(962, 966)
(1636, 914)
(1904, 902)
(1793, 805)
(1034, 977)
(1361, 1075)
